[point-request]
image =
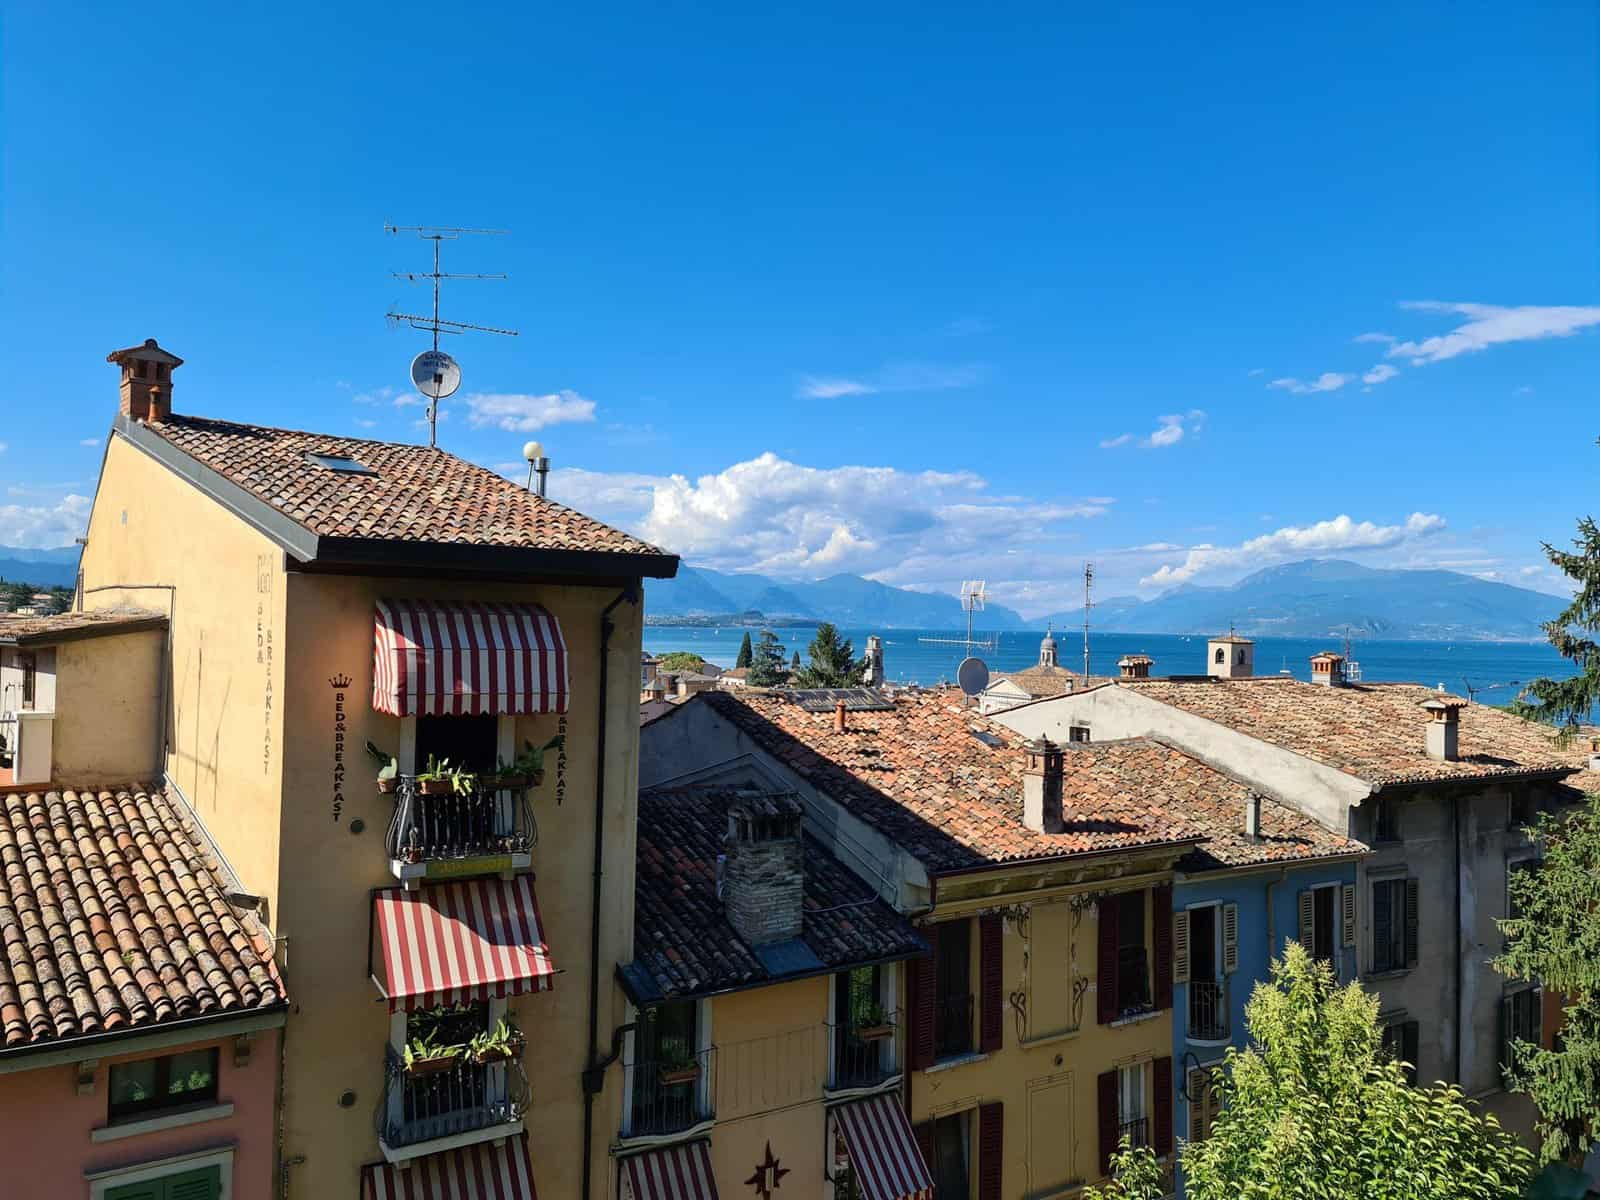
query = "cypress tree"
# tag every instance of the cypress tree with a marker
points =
(744, 652)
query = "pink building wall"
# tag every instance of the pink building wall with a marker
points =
(45, 1124)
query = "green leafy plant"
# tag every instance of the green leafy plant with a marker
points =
(463, 782)
(531, 760)
(493, 1045)
(437, 768)
(675, 1054)
(427, 1048)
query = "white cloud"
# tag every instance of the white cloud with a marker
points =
(1254, 371)
(521, 413)
(83, 442)
(364, 423)
(1328, 381)
(1169, 431)
(42, 527)
(1381, 373)
(897, 377)
(1381, 339)
(1338, 534)
(1492, 325)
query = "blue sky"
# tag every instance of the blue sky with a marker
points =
(922, 292)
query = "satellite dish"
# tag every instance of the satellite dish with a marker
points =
(972, 675)
(435, 374)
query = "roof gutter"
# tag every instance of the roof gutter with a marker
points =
(105, 629)
(639, 1001)
(169, 1033)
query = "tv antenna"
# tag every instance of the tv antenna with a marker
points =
(973, 595)
(1088, 603)
(434, 373)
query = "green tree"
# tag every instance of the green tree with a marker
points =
(795, 665)
(766, 661)
(744, 652)
(833, 663)
(1314, 1109)
(682, 660)
(1552, 941)
(1569, 702)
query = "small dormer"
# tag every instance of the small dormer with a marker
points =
(146, 381)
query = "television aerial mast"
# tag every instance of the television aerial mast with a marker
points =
(1088, 603)
(433, 372)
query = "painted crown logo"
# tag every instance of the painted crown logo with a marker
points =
(340, 681)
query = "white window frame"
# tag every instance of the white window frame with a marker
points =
(101, 1182)
(1137, 1089)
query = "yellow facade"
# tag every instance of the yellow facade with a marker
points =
(258, 656)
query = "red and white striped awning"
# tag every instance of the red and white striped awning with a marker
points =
(450, 660)
(883, 1151)
(480, 1172)
(454, 942)
(671, 1173)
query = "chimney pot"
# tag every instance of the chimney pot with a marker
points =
(1044, 787)
(146, 387)
(1135, 666)
(1327, 669)
(1442, 736)
(1252, 817)
(841, 717)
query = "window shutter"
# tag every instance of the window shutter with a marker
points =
(924, 1134)
(1408, 1047)
(1106, 1094)
(1411, 922)
(1382, 925)
(991, 1149)
(1308, 922)
(153, 1189)
(1162, 924)
(1537, 1023)
(1161, 1125)
(1199, 1100)
(1106, 983)
(1347, 909)
(1180, 947)
(195, 1185)
(1506, 1034)
(991, 1001)
(1230, 938)
(921, 983)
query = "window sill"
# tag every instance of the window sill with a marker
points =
(1194, 1041)
(1392, 973)
(176, 1119)
(955, 1060)
(1137, 1018)
(1050, 1039)
(641, 1141)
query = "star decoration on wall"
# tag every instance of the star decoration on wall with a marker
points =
(768, 1175)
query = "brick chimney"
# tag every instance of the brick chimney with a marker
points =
(1444, 727)
(1327, 669)
(1043, 787)
(763, 881)
(1134, 666)
(146, 381)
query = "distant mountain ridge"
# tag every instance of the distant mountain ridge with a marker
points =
(1318, 597)
(56, 567)
(843, 599)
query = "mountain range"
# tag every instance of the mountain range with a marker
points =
(42, 568)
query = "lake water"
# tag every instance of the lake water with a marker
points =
(1494, 670)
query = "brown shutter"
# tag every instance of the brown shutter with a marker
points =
(1161, 1132)
(1198, 1100)
(1162, 897)
(1180, 947)
(1106, 984)
(1106, 1094)
(924, 1135)
(1411, 922)
(1308, 922)
(1347, 905)
(991, 1149)
(921, 983)
(991, 999)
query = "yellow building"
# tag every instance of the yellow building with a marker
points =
(323, 593)
(1038, 1030)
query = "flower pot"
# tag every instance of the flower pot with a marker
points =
(537, 778)
(432, 1066)
(511, 783)
(875, 1033)
(435, 787)
(671, 1076)
(494, 1054)
(385, 786)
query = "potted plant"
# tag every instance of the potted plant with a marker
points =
(438, 779)
(463, 782)
(872, 1023)
(388, 768)
(503, 1042)
(425, 1055)
(530, 763)
(507, 777)
(676, 1063)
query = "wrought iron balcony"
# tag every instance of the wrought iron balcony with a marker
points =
(864, 1055)
(1137, 1131)
(952, 1029)
(460, 1097)
(430, 832)
(1208, 1011)
(669, 1097)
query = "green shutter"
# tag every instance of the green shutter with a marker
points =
(153, 1189)
(204, 1184)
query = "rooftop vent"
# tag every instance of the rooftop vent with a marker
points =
(1135, 666)
(1442, 738)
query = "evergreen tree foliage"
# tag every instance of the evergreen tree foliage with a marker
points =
(795, 665)
(766, 661)
(1314, 1110)
(1555, 940)
(745, 654)
(1569, 702)
(833, 663)
(682, 660)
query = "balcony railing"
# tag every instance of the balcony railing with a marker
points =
(479, 823)
(952, 1027)
(1137, 1131)
(463, 1097)
(864, 1055)
(1208, 1011)
(669, 1097)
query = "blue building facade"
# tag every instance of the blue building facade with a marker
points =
(1229, 923)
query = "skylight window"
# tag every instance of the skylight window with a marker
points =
(337, 462)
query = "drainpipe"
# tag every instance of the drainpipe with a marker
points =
(594, 1073)
(1455, 837)
(1272, 938)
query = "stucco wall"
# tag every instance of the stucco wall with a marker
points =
(108, 708)
(46, 1126)
(337, 1033)
(224, 685)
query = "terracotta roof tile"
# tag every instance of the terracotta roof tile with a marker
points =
(110, 919)
(1373, 731)
(1039, 681)
(939, 780)
(68, 626)
(681, 932)
(416, 493)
